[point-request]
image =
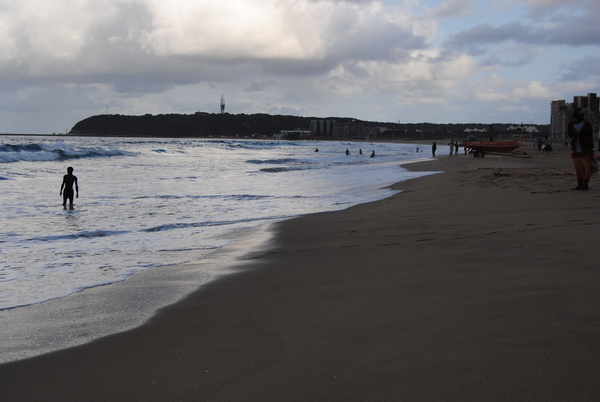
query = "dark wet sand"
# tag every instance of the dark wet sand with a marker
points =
(479, 284)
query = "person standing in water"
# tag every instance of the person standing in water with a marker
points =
(66, 188)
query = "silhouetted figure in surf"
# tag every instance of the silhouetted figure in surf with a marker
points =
(373, 154)
(347, 151)
(66, 188)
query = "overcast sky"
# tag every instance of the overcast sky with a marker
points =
(410, 61)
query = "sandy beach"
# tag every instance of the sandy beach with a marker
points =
(477, 284)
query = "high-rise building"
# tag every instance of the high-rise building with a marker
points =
(593, 102)
(581, 101)
(588, 103)
(560, 116)
(561, 111)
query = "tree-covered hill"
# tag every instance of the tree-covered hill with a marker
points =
(242, 125)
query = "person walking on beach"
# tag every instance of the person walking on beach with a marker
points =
(451, 145)
(582, 148)
(66, 188)
(433, 148)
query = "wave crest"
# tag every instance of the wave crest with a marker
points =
(58, 151)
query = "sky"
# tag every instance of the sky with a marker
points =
(411, 61)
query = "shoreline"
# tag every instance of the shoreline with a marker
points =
(99, 311)
(472, 285)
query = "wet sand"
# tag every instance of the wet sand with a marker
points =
(478, 284)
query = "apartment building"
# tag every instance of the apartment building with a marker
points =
(561, 111)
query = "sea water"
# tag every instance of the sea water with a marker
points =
(144, 203)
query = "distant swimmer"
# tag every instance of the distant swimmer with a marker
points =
(347, 151)
(417, 149)
(360, 151)
(316, 149)
(66, 188)
(373, 154)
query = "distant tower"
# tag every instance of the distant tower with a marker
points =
(222, 104)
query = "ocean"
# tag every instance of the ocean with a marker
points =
(145, 202)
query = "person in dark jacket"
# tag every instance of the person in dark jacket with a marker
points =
(582, 148)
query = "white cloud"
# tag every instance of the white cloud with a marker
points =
(566, 90)
(423, 78)
(490, 96)
(533, 90)
(452, 9)
(495, 89)
(237, 29)
(352, 56)
(211, 30)
(495, 81)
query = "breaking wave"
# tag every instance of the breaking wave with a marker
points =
(58, 151)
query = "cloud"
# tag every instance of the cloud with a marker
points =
(474, 41)
(543, 8)
(587, 68)
(425, 77)
(452, 9)
(370, 57)
(76, 38)
(579, 28)
(187, 41)
(512, 55)
(568, 89)
(494, 89)
(122, 50)
(256, 87)
(533, 90)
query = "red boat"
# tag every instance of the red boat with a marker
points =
(480, 148)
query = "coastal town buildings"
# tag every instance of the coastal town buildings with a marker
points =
(334, 128)
(561, 111)
(322, 128)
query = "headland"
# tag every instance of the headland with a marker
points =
(205, 125)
